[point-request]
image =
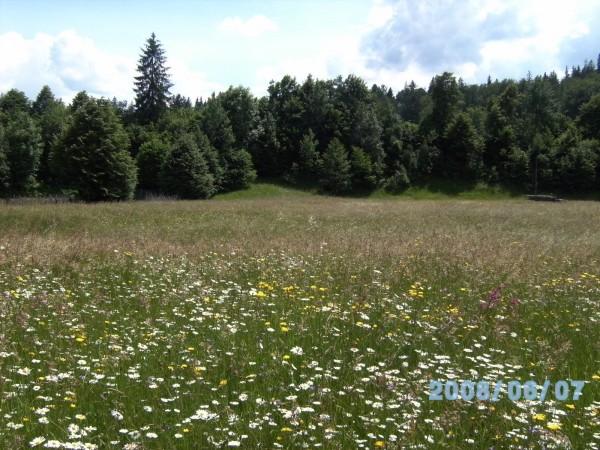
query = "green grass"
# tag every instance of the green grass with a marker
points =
(263, 190)
(435, 190)
(290, 320)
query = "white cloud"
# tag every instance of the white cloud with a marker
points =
(69, 63)
(251, 27)
(190, 83)
(474, 38)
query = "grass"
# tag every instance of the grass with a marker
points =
(274, 318)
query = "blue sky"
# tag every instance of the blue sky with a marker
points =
(94, 45)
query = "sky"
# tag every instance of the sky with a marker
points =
(74, 45)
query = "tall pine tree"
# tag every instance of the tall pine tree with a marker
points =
(153, 83)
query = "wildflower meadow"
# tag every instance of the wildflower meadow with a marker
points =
(296, 322)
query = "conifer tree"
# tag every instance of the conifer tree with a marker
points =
(153, 83)
(335, 174)
(4, 169)
(93, 155)
(185, 172)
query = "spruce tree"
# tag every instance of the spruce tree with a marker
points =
(309, 159)
(153, 83)
(185, 172)
(51, 115)
(335, 174)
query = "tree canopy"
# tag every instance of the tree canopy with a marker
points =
(540, 133)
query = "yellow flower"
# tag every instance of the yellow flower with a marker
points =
(284, 329)
(286, 430)
(222, 382)
(570, 406)
(286, 357)
(540, 417)
(261, 294)
(553, 426)
(596, 377)
(379, 444)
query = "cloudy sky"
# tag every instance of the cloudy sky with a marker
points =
(73, 45)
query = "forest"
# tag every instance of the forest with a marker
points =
(537, 134)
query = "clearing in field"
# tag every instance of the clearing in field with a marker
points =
(297, 321)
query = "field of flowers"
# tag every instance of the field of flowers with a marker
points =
(298, 323)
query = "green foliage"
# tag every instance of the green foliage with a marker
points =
(398, 182)
(589, 118)
(23, 150)
(14, 101)
(411, 102)
(239, 172)
(462, 152)
(309, 159)
(216, 125)
(93, 157)
(264, 144)
(152, 84)
(445, 97)
(516, 134)
(51, 116)
(575, 161)
(363, 174)
(150, 159)
(336, 176)
(4, 168)
(241, 108)
(185, 172)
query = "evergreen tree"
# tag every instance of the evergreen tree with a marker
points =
(153, 83)
(150, 159)
(14, 101)
(410, 102)
(309, 163)
(4, 169)
(363, 174)
(336, 170)
(577, 169)
(185, 172)
(93, 154)
(23, 151)
(461, 157)
(589, 117)
(51, 116)
(445, 97)
(239, 172)
(264, 144)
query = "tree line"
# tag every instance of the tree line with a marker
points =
(540, 133)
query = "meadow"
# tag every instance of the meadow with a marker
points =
(281, 319)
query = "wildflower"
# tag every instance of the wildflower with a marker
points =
(37, 441)
(554, 426)
(116, 414)
(297, 351)
(540, 417)
(379, 444)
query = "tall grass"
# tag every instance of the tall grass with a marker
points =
(276, 319)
